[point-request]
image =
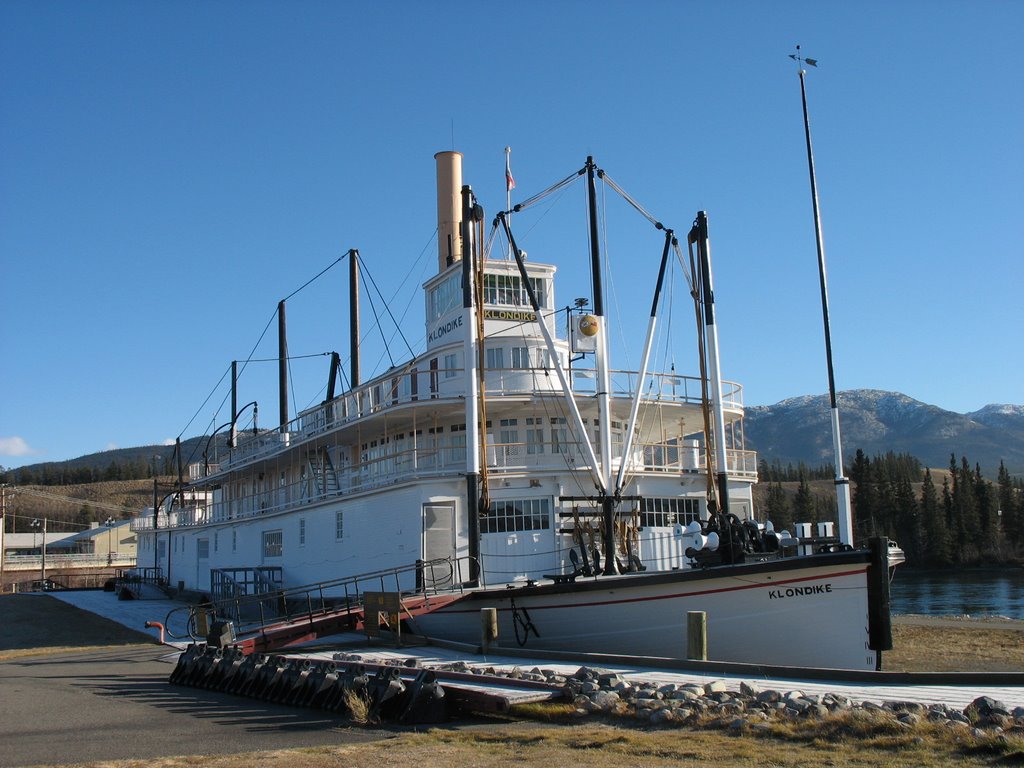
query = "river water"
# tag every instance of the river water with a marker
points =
(957, 593)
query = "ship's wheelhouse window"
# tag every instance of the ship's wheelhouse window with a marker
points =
(508, 291)
(510, 515)
(668, 511)
(273, 543)
(445, 296)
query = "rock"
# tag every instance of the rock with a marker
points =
(605, 701)
(768, 697)
(986, 705)
(684, 695)
(816, 710)
(750, 689)
(662, 717)
(716, 686)
(908, 718)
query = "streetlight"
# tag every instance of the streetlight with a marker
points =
(110, 522)
(35, 525)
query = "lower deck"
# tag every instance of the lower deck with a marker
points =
(528, 532)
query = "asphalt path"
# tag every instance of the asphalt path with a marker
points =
(116, 703)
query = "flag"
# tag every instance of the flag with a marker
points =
(510, 183)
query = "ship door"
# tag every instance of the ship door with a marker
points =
(438, 543)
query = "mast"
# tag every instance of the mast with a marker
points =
(282, 366)
(699, 236)
(353, 315)
(472, 389)
(233, 434)
(603, 385)
(842, 483)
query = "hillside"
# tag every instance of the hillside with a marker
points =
(800, 429)
(80, 504)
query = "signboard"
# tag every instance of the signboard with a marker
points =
(512, 315)
(382, 609)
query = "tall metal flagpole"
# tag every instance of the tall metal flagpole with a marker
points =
(841, 481)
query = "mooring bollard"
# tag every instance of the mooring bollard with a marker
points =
(488, 628)
(697, 635)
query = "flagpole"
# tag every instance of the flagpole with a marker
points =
(842, 483)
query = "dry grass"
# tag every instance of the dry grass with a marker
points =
(954, 649)
(612, 746)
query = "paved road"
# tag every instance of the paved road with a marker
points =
(117, 704)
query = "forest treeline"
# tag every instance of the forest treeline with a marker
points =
(962, 519)
(61, 474)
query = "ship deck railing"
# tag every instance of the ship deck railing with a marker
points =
(63, 560)
(252, 611)
(421, 463)
(407, 387)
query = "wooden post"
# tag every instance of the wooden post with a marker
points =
(697, 635)
(488, 629)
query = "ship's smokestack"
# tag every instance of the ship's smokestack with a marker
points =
(449, 208)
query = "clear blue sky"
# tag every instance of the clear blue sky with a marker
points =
(170, 170)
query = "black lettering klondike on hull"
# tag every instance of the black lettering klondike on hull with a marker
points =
(788, 592)
(443, 330)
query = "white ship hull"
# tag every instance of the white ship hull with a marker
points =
(807, 612)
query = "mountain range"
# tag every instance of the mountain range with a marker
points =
(875, 421)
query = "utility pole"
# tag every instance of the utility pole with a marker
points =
(3, 527)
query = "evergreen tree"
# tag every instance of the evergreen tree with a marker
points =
(909, 530)
(885, 503)
(985, 502)
(803, 503)
(863, 497)
(1011, 518)
(777, 508)
(936, 532)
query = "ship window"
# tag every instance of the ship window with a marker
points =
(451, 366)
(559, 436)
(668, 511)
(302, 531)
(445, 296)
(495, 357)
(520, 357)
(273, 543)
(534, 435)
(216, 548)
(234, 541)
(510, 515)
(203, 549)
(339, 526)
(508, 291)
